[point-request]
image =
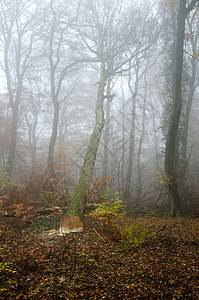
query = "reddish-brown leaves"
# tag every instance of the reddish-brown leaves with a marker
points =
(83, 266)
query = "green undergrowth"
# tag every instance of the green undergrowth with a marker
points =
(134, 236)
(108, 212)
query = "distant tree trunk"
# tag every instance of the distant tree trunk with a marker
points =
(18, 35)
(107, 129)
(132, 138)
(78, 203)
(122, 172)
(131, 154)
(13, 138)
(122, 167)
(14, 103)
(171, 142)
(139, 173)
(157, 148)
(53, 139)
(33, 144)
(57, 75)
(54, 93)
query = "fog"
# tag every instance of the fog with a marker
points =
(60, 58)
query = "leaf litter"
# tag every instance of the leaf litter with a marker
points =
(85, 266)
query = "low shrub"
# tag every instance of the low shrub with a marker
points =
(108, 210)
(133, 236)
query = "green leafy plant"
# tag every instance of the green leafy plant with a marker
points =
(11, 192)
(133, 236)
(4, 179)
(109, 209)
(162, 179)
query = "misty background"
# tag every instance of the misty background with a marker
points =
(50, 58)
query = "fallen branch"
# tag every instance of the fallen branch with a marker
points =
(96, 232)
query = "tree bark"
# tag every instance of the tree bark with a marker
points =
(171, 142)
(188, 108)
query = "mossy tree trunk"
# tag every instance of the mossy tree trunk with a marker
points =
(78, 202)
(171, 142)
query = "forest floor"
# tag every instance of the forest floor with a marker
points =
(87, 265)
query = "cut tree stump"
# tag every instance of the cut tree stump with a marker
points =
(70, 223)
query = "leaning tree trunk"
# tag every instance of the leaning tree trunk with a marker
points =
(171, 142)
(78, 203)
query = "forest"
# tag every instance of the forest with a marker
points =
(99, 168)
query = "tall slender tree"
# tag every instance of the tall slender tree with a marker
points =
(19, 34)
(107, 34)
(60, 62)
(171, 143)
